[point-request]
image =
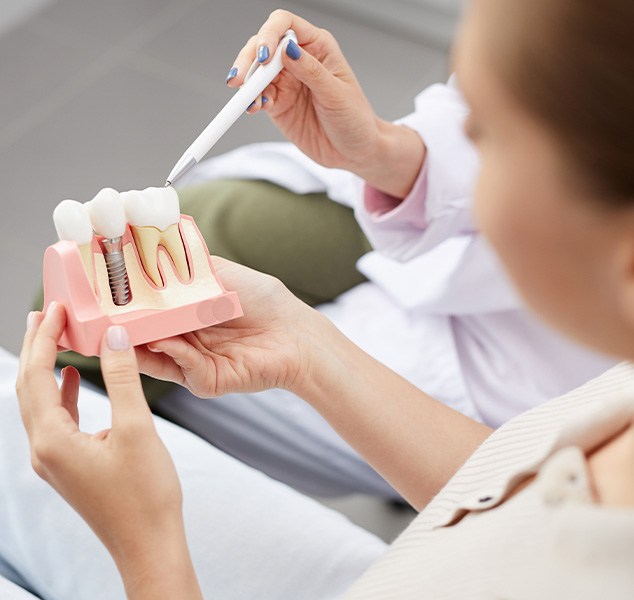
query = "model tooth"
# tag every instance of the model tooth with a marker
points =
(72, 222)
(152, 207)
(172, 242)
(106, 213)
(147, 242)
(108, 220)
(153, 215)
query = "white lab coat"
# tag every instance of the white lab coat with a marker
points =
(438, 307)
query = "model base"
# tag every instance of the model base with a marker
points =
(154, 312)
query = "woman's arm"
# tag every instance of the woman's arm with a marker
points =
(415, 442)
(412, 440)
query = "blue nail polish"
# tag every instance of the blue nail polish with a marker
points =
(264, 99)
(292, 49)
(251, 105)
(263, 53)
(231, 74)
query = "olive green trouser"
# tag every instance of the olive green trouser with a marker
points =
(307, 241)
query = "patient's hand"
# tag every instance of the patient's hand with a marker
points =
(122, 481)
(266, 348)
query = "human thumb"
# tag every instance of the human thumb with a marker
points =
(123, 382)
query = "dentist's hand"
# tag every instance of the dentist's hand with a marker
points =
(122, 481)
(268, 347)
(317, 103)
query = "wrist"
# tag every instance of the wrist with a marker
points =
(321, 358)
(396, 160)
(157, 566)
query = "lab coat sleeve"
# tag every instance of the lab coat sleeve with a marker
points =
(430, 236)
(439, 204)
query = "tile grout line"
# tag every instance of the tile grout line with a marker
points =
(91, 73)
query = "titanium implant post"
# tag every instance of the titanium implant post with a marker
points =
(117, 273)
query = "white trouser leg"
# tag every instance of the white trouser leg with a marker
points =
(250, 536)
(279, 434)
(10, 591)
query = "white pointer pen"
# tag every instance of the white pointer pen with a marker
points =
(256, 80)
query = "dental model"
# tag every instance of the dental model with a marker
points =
(147, 268)
(108, 220)
(72, 222)
(153, 215)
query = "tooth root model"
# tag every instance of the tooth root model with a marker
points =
(108, 220)
(72, 222)
(159, 245)
(153, 215)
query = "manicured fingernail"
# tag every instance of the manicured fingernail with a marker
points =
(153, 349)
(251, 106)
(231, 74)
(117, 338)
(263, 53)
(63, 372)
(29, 320)
(264, 99)
(292, 50)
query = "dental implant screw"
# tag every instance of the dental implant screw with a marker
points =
(117, 272)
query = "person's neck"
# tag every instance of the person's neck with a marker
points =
(612, 470)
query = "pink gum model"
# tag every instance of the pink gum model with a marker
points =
(66, 281)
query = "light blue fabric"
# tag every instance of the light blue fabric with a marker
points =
(250, 536)
(12, 586)
(279, 434)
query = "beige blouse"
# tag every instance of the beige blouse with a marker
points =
(549, 540)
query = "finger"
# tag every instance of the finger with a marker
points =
(255, 106)
(158, 365)
(274, 28)
(230, 273)
(237, 73)
(123, 382)
(264, 101)
(33, 320)
(186, 357)
(310, 71)
(268, 96)
(39, 382)
(47, 331)
(268, 37)
(70, 392)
